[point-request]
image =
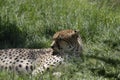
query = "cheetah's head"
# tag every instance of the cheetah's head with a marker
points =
(67, 41)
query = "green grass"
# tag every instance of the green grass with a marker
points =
(32, 23)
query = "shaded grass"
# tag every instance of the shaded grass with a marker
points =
(11, 35)
(31, 24)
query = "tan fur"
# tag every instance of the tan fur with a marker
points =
(64, 34)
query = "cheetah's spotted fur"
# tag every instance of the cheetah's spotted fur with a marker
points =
(28, 60)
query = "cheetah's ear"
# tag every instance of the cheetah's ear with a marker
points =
(57, 36)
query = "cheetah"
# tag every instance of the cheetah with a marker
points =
(34, 61)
